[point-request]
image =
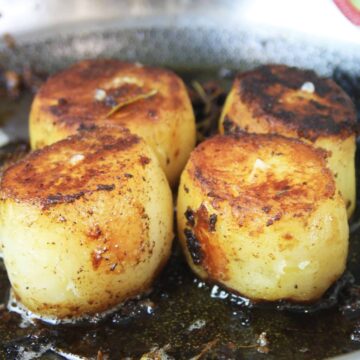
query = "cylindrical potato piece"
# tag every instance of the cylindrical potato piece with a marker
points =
(86, 223)
(276, 99)
(152, 102)
(260, 215)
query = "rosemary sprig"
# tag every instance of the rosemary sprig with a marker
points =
(202, 94)
(206, 349)
(130, 101)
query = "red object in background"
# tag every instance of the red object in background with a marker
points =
(349, 9)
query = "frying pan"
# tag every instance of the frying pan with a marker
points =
(183, 317)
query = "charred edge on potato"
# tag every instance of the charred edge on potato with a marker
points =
(190, 217)
(214, 259)
(230, 126)
(112, 234)
(335, 118)
(194, 246)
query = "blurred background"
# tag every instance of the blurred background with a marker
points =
(204, 33)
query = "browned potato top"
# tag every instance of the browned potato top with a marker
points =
(80, 108)
(71, 168)
(261, 177)
(276, 94)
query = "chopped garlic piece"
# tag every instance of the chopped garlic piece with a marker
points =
(4, 138)
(304, 264)
(258, 165)
(198, 324)
(100, 95)
(308, 87)
(76, 159)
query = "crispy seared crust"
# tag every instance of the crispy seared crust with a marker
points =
(67, 102)
(272, 95)
(223, 167)
(48, 177)
(261, 214)
(68, 97)
(92, 214)
(277, 99)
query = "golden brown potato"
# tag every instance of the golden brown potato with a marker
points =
(87, 92)
(296, 103)
(86, 223)
(260, 214)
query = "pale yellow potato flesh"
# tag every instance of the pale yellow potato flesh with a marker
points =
(277, 99)
(261, 216)
(86, 93)
(86, 223)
